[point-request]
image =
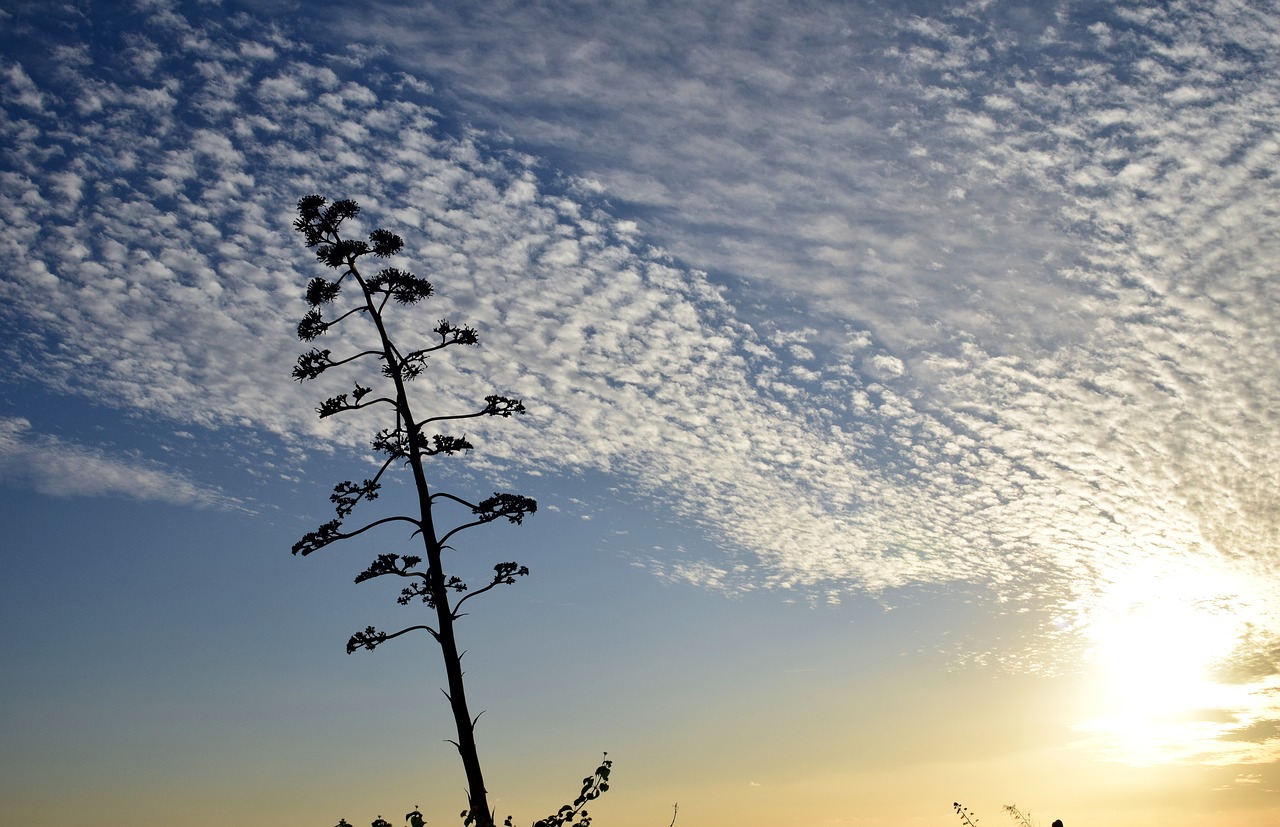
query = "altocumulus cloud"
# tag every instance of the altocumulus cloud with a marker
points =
(1035, 248)
(1034, 255)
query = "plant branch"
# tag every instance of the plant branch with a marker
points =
(329, 533)
(372, 638)
(504, 574)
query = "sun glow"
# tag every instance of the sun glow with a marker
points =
(1154, 643)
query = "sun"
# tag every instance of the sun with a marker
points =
(1154, 658)
(1154, 643)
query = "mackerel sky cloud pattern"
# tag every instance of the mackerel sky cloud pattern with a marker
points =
(986, 297)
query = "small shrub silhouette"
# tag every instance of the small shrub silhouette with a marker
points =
(1021, 817)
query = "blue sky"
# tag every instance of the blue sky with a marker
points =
(902, 386)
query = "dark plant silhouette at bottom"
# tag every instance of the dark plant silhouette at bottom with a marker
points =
(968, 819)
(570, 815)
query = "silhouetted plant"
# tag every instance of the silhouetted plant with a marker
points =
(966, 818)
(573, 815)
(1024, 818)
(405, 444)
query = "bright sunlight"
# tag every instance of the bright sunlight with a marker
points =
(1155, 638)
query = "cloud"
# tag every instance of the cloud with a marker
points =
(1060, 224)
(23, 91)
(54, 466)
(991, 297)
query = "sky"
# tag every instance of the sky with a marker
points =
(902, 389)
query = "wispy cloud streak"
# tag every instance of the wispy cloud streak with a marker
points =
(58, 467)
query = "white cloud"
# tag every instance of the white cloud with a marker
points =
(54, 466)
(1063, 377)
